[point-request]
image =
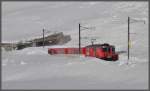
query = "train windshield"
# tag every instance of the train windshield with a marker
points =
(106, 49)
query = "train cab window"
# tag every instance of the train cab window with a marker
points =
(105, 49)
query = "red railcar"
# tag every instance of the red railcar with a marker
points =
(102, 51)
(65, 51)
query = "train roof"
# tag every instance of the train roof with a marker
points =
(99, 45)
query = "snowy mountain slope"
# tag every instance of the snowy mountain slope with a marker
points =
(33, 68)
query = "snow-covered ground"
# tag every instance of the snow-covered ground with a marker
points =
(34, 68)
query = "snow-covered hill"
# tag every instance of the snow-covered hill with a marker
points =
(33, 68)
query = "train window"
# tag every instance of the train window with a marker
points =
(105, 49)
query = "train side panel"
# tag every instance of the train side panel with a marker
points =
(99, 53)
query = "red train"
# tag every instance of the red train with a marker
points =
(102, 51)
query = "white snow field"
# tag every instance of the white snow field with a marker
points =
(34, 68)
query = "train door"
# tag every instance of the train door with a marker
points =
(97, 52)
(94, 49)
(87, 51)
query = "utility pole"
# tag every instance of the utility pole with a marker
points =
(129, 41)
(128, 38)
(43, 37)
(79, 39)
